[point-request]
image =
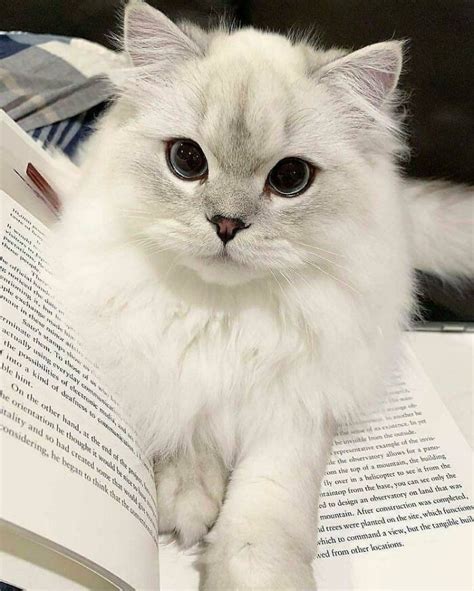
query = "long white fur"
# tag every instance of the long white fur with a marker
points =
(442, 233)
(237, 371)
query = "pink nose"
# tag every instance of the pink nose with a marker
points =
(227, 228)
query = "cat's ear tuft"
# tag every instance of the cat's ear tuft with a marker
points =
(199, 35)
(150, 37)
(371, 72)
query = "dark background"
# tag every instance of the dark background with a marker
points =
(438, 76)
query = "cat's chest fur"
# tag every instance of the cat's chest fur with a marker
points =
(200, 365)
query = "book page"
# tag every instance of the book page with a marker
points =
(396, 508)
(72, 474)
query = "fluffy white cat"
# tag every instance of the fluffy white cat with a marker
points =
(237, 254)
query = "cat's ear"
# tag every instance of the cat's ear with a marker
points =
(370, 73)
(150, 37)
(200, 36)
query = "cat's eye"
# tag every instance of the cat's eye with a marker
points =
(186, 159)
(290, 177)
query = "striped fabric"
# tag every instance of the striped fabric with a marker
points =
(69, 133)
(55, 87)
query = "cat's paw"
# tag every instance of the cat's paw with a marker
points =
(189, 496)
(233, 562)
(252, 567)
(243, 575)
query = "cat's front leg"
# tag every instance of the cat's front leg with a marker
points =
(190, 490)
(265, 537)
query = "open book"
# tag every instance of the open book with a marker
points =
(77, 497)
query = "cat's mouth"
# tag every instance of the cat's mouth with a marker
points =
(223, 256)
(224, 260)
(223, 267)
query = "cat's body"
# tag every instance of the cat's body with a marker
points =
(242, 362)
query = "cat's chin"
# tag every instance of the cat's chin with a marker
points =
(223, 271)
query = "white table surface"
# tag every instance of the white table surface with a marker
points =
(447, 359)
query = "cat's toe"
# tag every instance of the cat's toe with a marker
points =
(189, 496)
(195, 513)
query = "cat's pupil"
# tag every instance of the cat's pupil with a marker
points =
(189, 157)
(290, 177)
(187, 160)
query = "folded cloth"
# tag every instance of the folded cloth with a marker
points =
(54, 87)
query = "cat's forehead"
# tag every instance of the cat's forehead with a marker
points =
(244, 119)
(248, 100)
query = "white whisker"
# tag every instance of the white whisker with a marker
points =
(330, 261)
(338, 279)
(297, 296)
(314, 247)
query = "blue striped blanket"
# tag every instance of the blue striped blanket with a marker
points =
(54, 87)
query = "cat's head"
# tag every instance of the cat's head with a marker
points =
(251, 154)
